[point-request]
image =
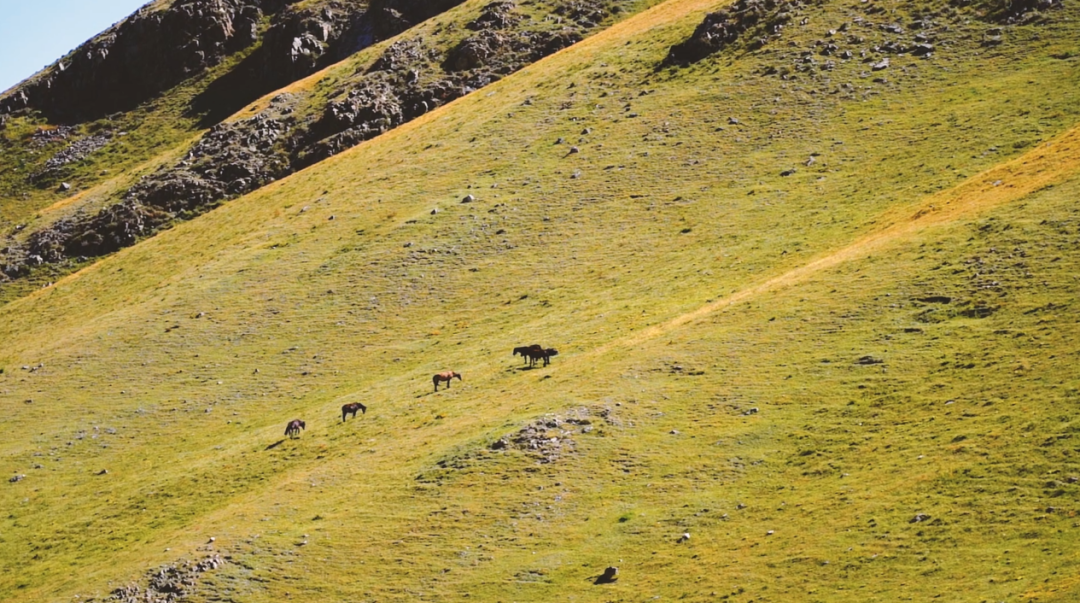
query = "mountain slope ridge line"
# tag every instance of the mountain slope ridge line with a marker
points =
(1051, 162)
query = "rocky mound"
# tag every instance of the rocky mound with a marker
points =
(169, 583)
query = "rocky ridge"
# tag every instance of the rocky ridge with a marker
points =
(410, 78)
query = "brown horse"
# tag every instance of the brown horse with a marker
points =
(351, 409)
(525, 349)
(294, 427)
(446, 376)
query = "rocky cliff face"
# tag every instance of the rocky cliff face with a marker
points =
(140, 57)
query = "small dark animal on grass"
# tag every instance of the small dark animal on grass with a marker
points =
(536, 352)
(446, 376)
(351, 409)
(294, 427)
(525, 349)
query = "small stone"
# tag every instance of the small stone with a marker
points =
(770, 532)
(17, 478)
(880, 65)
(64, 187)
(919, 518)
(574, 150)
(733, 121)
(788, 172)
(434, 211)
(468, 199)
(684, 537)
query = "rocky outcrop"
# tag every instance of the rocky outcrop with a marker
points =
(300, 42)
(147, 53)
(231, 159)
(755, 20)
(169, 583)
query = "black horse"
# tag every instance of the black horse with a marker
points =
(536, 352)
(351, 409)
(525, 350)
(294, 427)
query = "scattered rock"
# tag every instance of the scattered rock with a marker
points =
(685, 536)
(17, 478)
(788, 172)
(865, 360)
(170, 583)
(919, 517)
(547, 438)
(880, 65)
(64, 187)
(468, 199)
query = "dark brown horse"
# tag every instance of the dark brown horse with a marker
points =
(445, 376)
(294, 427)
(351, 409)
(536, 352)
(525, 349)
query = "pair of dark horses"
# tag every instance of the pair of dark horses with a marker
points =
(533, 353)
(296, 425)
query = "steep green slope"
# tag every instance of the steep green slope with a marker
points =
(463, 49)
(851, 382)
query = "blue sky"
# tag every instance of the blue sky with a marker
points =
(34, 33)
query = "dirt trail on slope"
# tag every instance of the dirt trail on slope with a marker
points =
(1049, 163)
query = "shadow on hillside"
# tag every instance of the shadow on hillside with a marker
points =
(229, 93)
(275, 445)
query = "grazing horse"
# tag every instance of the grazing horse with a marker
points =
(351, 409)
(294, 427)
(447, 376)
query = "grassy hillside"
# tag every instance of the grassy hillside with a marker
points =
(852, 382)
